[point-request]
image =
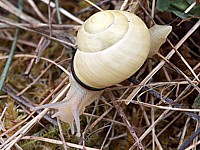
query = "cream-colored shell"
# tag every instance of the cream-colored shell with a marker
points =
(101, 63)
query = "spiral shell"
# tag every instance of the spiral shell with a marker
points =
(101, 62)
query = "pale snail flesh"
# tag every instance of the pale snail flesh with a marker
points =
(112, 46)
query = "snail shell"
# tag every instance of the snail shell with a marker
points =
(112, 45)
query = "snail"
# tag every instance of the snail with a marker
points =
(112, 46)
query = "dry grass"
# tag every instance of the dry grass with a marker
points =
(163, 110)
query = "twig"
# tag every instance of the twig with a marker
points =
(61, 134)
(190, 7)
(100, 118)
(164, 107)
(37, 11)
(106, 119)
(152, 121)
(168, 125)
(22, 101)
(124, 4)
(150, 128)
(43, 58)
(108, 132)
(189, 140)
(39, 26)
(5, 4)
(166, 99)
(180, 96)
(193, 146)
(94, 5)
(21, 132)
(64, 12)
(56, 142)
(184, 131)
(153, 9)
(88, 124)
(28, 43)
(185, 62)
(160, 65)
(181, 72)
(42, 45)
(38, 32)
(49, 19)
(125, 120)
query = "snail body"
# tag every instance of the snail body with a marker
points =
(112, 46)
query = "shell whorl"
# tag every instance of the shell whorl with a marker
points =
(112, 45)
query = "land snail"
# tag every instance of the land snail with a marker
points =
(112, 46)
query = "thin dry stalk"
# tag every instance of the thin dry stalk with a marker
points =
(94, 5)
(61, 134)
(108, 132)
(167, 126)
(39, 26)
(106, 119)
(43, 43)
(125, 120)
(151, 127)
(31, 84)
(153, 9)
(193, 146)
(152, 121)
(190, 7)
(184, 132)
(112, 133)
(28, 43)
(37, 11)
(21, 132)
(124, 4)
(3, 96)
(100, 118)
(56, 142)
(186, 63)
(196, 128)
(43, 58)
(31, 114)
(14, 10)
(15, 137)
(188, 86)
(64, 12)
(2, 19)
(160, 65)
(165, 107)
(181, 72)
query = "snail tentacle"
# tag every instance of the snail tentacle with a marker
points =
(158, 35)
(73, 105)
